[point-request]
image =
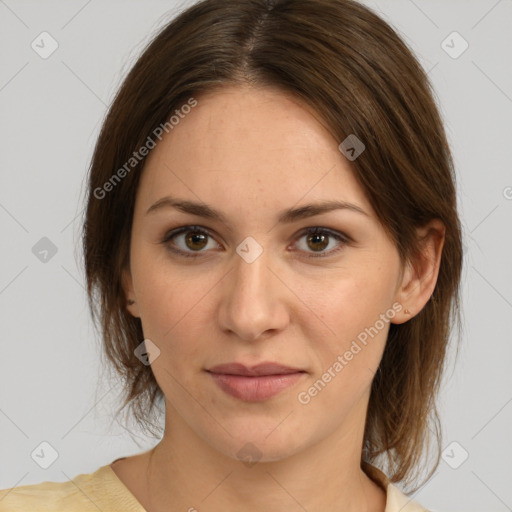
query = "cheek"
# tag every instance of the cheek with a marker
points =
(348, 354)
(173, 317)
(354, 317)
(173, 308)
(359, 294)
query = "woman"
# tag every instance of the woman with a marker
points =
(273, 250)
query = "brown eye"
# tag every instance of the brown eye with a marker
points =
(188, 241)
(318, 239)
(195, 240)
(192, 241)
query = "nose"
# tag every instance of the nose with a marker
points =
(253, 302)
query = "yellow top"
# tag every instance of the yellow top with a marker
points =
(104, 491)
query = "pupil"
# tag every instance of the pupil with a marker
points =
(194, 239)
(322, 238)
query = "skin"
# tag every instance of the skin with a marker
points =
(252, 153)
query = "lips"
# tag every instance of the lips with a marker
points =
(254, 383)
(253, 371)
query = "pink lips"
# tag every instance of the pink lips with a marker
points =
(254, 383)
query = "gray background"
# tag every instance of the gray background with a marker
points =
(52, 386)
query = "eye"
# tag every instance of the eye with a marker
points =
(195, 239)
(318, 238)
(189, 241)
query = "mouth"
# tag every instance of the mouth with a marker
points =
(254, 383)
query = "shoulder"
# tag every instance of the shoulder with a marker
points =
(396, 500)
(46, 496)
(86, 492)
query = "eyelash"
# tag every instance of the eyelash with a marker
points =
(308, 231)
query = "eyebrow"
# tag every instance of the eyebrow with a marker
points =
(284, 217)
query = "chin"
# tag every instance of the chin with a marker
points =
(259, 443)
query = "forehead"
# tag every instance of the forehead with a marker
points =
(249, 146)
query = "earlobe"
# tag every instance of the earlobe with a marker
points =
(127, 284)
(420, 275)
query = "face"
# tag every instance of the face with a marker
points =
(308, 298)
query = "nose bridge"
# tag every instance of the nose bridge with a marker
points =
(251, 272)
(250, 305)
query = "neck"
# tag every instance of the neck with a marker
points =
(186, 473)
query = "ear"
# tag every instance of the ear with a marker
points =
(131, 301)
(419, 277)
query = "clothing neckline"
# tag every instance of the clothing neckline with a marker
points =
(395, 499)
(130, 501)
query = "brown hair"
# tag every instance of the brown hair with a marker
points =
(352, 69)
